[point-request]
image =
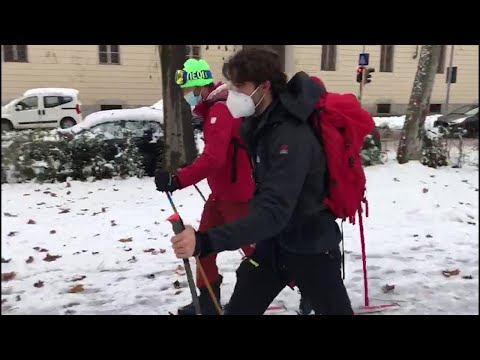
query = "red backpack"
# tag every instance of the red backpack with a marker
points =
(342, 125)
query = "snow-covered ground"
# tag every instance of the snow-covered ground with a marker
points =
(422, 222)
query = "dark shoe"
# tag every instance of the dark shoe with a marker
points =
(207, 306)
(187, 310)
(305, 306)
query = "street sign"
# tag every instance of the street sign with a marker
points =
(363, 59)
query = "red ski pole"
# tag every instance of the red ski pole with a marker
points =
(364, 256)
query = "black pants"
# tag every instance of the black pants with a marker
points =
(317, 276)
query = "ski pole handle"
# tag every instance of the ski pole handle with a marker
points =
(178, 227)
(177, 223)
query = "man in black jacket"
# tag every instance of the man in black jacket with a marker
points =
(296, 236)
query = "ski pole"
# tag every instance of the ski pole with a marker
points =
(180, 228)
(201, 195)
(364, 257)
(343, 253)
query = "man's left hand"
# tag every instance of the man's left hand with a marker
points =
(184, 243)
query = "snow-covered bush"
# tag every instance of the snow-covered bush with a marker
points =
(435, 148)
(371, 151)
(45, 157)
(92, 156)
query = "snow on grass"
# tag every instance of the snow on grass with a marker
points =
(396, 122)
(422, 221)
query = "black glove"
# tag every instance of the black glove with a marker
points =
(202, 244)
(166, 181)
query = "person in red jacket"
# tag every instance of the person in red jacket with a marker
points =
(225, 164)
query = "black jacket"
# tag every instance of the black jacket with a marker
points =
(287, 209)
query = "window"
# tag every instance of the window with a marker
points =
(472, 112)
(110, 107)
(138, 128)
(109, 54)
(135, 125)
(53, 101)
(155, 126)
(464, 110)
(111, 130)
(15, 53)
(435, 108)
(329, 57)
(441, 61)
(386, 58)
(383, 108)
(193, 51)
(30, 103)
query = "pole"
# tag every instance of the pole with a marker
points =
(180, 228)
(361, 84)
(200, 193)
(360, 97)
(449, 79)
(364, 259)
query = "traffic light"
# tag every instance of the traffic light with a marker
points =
(368, 75)
(360, 74)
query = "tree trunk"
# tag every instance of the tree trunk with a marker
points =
(189, 145)
(410, 146)
(179, 140)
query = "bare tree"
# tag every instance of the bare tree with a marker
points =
(179, 140)
(410, 146)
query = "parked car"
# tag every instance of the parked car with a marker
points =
(145, 123)
(197, 121)
(43, 108)
(463, 120)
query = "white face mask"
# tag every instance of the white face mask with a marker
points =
(241, 105)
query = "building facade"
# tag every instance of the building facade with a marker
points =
(126, 76)
(395, 69)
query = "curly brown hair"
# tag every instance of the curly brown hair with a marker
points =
(256, 65)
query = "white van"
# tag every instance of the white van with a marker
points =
(42, 108)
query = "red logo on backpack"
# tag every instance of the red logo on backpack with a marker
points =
(342, 125)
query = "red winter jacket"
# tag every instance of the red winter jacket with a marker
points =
(216, 161)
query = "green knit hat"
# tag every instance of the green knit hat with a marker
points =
(195, 73)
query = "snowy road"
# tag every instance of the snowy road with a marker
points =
(422, 222)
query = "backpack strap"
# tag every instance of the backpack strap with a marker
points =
(314, 122)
